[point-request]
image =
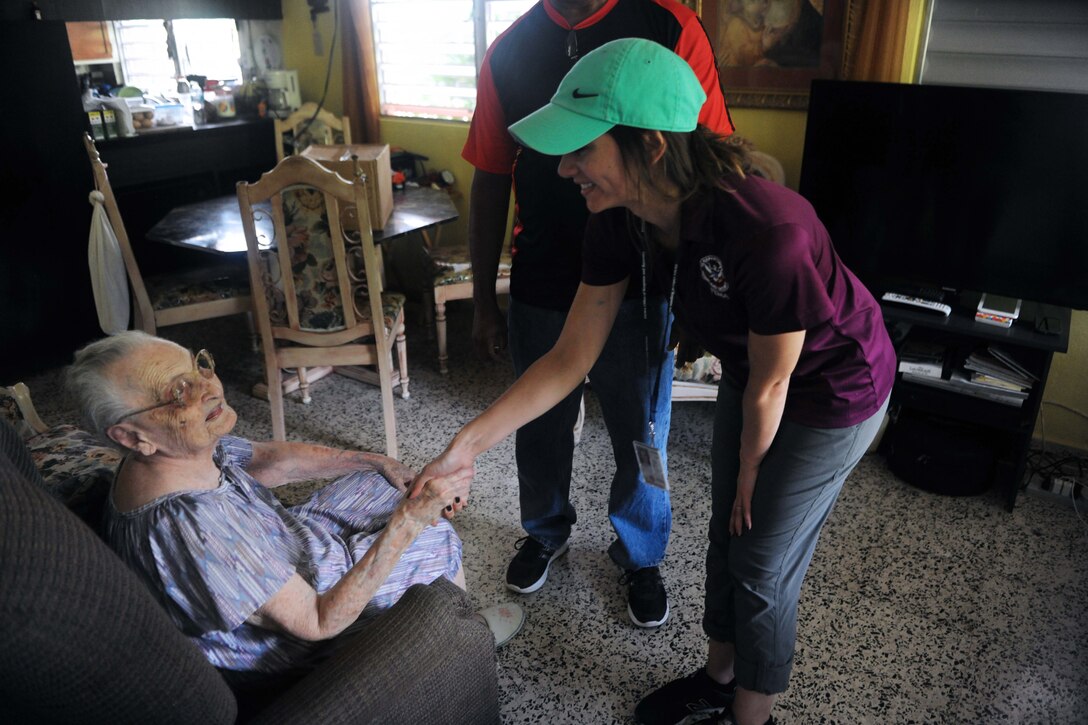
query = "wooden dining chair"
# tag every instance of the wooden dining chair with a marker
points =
(453, 281)
(170, 299)
(307, 126)
(318, 294)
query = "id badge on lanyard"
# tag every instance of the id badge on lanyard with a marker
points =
(651, 461)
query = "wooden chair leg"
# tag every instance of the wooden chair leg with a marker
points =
(578, 424)
(440, 330)
(385, 375)
(304, 386)
(402, 362)
(275, 401)
(255, 338)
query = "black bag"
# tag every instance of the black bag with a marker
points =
(940, 456)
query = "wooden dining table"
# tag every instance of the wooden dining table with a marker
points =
(215, 225)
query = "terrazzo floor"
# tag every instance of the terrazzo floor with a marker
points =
(917, 608)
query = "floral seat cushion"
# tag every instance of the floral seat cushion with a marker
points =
(73, 464)
(76, 468)
(176, 291)
(453, 266)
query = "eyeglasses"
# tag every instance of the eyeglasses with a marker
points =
(181, 394)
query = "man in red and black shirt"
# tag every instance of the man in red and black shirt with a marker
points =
(520, 72)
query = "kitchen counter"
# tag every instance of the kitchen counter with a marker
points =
(228, 150)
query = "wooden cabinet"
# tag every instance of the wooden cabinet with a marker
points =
(90, 41)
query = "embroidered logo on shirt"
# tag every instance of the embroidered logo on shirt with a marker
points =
(714, 275)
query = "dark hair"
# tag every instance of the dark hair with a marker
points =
(694, 161)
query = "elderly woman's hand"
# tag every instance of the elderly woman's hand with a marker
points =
(395, 472)
(439, 496)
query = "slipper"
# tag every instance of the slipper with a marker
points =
(504, 620)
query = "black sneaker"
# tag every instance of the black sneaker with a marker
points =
(647, 603)
(687, 699)
(528, 570)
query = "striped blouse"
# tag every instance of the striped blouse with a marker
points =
(213, 557)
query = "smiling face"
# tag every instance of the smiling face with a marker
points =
(149, 376)
(598, 169)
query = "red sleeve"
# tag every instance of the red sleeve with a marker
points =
(694, 47)
(489, 146)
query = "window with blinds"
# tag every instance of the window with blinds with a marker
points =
(428, 52)
(1041, 45)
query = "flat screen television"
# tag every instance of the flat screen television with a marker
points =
(955, 188)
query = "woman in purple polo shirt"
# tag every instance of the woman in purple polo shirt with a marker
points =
(751, 274)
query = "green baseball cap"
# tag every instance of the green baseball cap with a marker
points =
(628, 82)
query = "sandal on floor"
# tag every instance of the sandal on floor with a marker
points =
(504, 620)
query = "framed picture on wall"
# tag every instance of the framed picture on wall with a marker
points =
(769, 51)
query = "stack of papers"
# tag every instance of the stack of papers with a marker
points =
(960, 383)
(991, 374)
(997, 368)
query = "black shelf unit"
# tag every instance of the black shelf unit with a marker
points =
(1009, 427)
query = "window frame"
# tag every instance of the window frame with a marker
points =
(481, 25)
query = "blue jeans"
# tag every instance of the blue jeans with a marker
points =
(640, 512)
(753, 582)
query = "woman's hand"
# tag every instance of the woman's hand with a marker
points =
(740, 519)
(438, 496)
(454, 462)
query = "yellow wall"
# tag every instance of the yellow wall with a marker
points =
(779, 133)
(298, 53)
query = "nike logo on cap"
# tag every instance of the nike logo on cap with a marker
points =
(578, 94)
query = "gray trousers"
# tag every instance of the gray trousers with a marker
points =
(753, 581)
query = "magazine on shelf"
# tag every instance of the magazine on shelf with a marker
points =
(984, 379)
(959, 383)
(982, 362)
(1011, 363)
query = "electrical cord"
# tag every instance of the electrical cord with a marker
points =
(1063, 406)
(328, 71)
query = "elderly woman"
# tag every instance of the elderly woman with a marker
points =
(257, 586)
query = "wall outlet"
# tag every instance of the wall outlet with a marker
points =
(1063, 485)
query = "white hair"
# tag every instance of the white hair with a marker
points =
(90, 385)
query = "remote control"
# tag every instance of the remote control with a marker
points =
(917, 302)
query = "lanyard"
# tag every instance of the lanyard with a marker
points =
(646, 339)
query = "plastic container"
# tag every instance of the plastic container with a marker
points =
(224, 103)
(171, 114)
(143, 116)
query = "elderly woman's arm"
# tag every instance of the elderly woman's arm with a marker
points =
(277, 463)
(297, 609)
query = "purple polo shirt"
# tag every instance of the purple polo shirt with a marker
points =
(757, 259)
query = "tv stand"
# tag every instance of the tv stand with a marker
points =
(1009, 427)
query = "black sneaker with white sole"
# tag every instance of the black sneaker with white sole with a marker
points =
(687, 700)
(647, 602)
(528, 569)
